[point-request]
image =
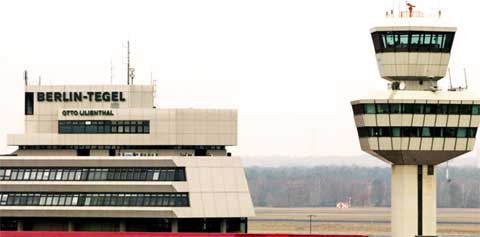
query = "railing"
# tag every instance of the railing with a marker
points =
(146, 234)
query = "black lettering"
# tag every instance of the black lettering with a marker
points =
(64, 96)
(106, 96)
(49, 96)
(121, 97)
(114, 96)
(90, 95)
(40, 96)
(77, 96)
(98, 96)
(57, 96)
(64, 113)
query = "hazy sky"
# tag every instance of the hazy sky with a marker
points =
(290, 67)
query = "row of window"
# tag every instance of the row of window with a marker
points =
(95, 199)
(448, 132)
(93, 174)
(103, 126)
(412, 41)
(119, 147)
(384, 108)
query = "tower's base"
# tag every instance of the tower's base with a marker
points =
(414, 201)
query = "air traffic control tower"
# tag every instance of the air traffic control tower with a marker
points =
(414, 125)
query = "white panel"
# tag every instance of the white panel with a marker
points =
(396, 143)
(359, 121)
(407, 120)
(471, 144)
(475, 121)
(449, 144)
(395, 120)
(221, 204)
(233, 204)
(383, 120)
(229, 176)
(206, 182)
(441, 120)
(429, 120)
(453, 120)
(418, 120)
(209, 206)
(196, 204)
(370, 120)
(426, 144)
(385, 143)
(373, 143)
(461, 144)
(414, 144)
(464, 121)
(405, 143)
(438, 144)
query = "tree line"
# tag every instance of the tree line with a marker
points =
(325, 186)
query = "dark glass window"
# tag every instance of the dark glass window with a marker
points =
(453, 109)
(465, 109)
(383, 108)
(412, 41)
(418, 108)
(476, 109)
(369, 109)
(407, 108)
(430, 109)
(102, 126)
(357, 109)
(449, 132)
(85, 174)
(395, 108)
(94, 199)
(29, 104)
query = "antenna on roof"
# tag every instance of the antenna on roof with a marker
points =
(25, 77)
(111, 71)
(465, 75)
(130, 71)
(450, 79)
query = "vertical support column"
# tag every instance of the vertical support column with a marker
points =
(174, 225)
(429, 201)
(71, 226)
(19, 225)
(404, 208)
(122, 226)
(414, 203)
(223, 226)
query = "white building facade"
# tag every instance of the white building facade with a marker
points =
(103, 158)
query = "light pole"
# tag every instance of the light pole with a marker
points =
(310, 218)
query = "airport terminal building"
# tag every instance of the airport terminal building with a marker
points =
(103, 158)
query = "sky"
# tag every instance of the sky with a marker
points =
(291, 67)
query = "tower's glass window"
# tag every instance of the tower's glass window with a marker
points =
(369, 109)
(382, 108)
(476, 110)
(412, 41)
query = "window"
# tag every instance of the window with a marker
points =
(430, 109)
(412, 41)
(395, 108)
(454, 109)
(369, 108)
(103, 126)
(29, 103)
(382, 108)
(418, 108)
(448, 132)
(476, 110)
(92, 174)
